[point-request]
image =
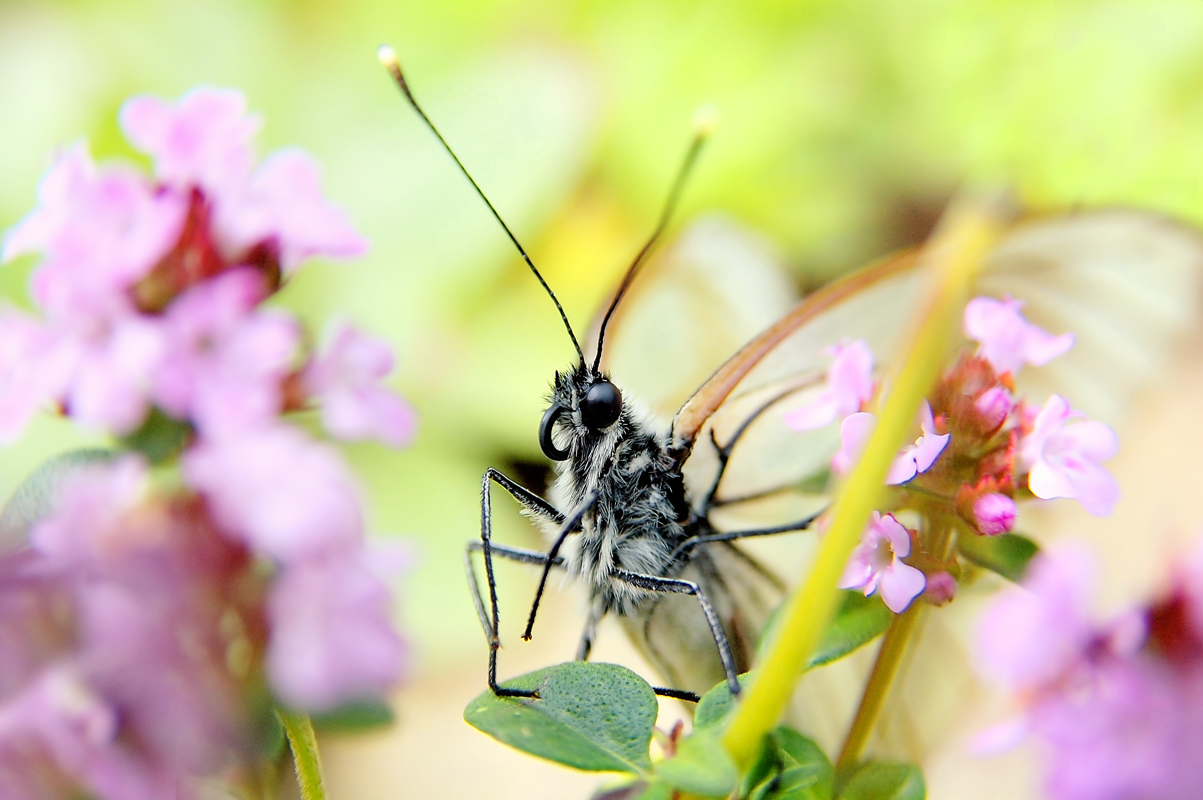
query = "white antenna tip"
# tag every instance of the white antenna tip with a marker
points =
(387, 55)
(705, 119)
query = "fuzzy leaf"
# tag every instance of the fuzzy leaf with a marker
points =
(639, 790)
(717, 703)
(593, 717)
(701, 766)
(1008, 554)
(883, 780)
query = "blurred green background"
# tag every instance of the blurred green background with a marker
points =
(845, 127)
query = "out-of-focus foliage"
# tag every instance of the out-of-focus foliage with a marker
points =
(845, 126)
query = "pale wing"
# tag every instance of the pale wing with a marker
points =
(692, 306)
(1127, 283)
(671, 632)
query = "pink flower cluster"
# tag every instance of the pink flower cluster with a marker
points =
(978, 447)
(254, 570)
(1118, 704)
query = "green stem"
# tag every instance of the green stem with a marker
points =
(885, 669)
(963, 238)
(303, 744)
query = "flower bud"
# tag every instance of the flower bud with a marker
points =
(941, 588)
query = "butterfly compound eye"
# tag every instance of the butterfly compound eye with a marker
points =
(601, 405)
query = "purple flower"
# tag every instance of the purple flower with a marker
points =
(225, 359)
(877, 563)
(287, 496)
(202, 140)
(283, 204)
(332, 640)
(1031, 636)
(1063, 457)
(849, 386)
(345, 378)
(1007, 340)
(100, 232)
(133, 682)
(914, 459)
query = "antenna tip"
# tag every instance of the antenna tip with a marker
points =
(705, 120)
(387, 56)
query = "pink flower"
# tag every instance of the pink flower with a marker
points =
(204, 139)
(100, 230)
(1007, 339)
(283, 204)
(994, 513)
(345, 378)
(1032, 635)
(332, 640)
(1063, 457)
(914, 459)
(849, 386)
(877, 563)
(287, 496)
(226, 359)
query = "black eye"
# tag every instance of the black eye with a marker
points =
(601, 405)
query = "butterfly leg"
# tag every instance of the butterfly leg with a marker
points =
(654, 583)
(489, 620)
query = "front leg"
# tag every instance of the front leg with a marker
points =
(489, 620)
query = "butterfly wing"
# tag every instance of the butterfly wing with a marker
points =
(1128, 283)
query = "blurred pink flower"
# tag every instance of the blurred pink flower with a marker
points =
(226, 359)
(877, 563)
(345, 378)
(283, 204)
(287, 496)
(1063, 457)
(1007, 340)
(100, 230)
(849, 386)
(914, 459)
(332, 640)
(203, 139)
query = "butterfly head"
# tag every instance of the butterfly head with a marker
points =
(584, 405)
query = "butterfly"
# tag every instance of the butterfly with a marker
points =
(653, 495)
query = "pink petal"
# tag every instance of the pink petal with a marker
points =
(901, 584)
(850, 376)
(1094, 487)
(1048, 483)
(819, 413)
(854, 433)
(201, 140)
(897, 535)
(1089, 439)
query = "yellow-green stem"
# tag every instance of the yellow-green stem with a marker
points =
(877, 688)
(303, 743)
(963, 238)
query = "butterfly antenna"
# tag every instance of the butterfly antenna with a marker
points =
(704, 122)
(388, 57)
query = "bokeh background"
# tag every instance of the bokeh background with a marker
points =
(845, 128)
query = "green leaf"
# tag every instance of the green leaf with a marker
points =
(594, 717)
(701, 766)
(1008, 554)
(717, 703)
(161, 437)
(639, 790)
(883, 780)
(360, 716)
(38, 494)
(791, 767)
(859, 621)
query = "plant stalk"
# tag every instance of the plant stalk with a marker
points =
(885, 669)
(963, 238)
(303, 743)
